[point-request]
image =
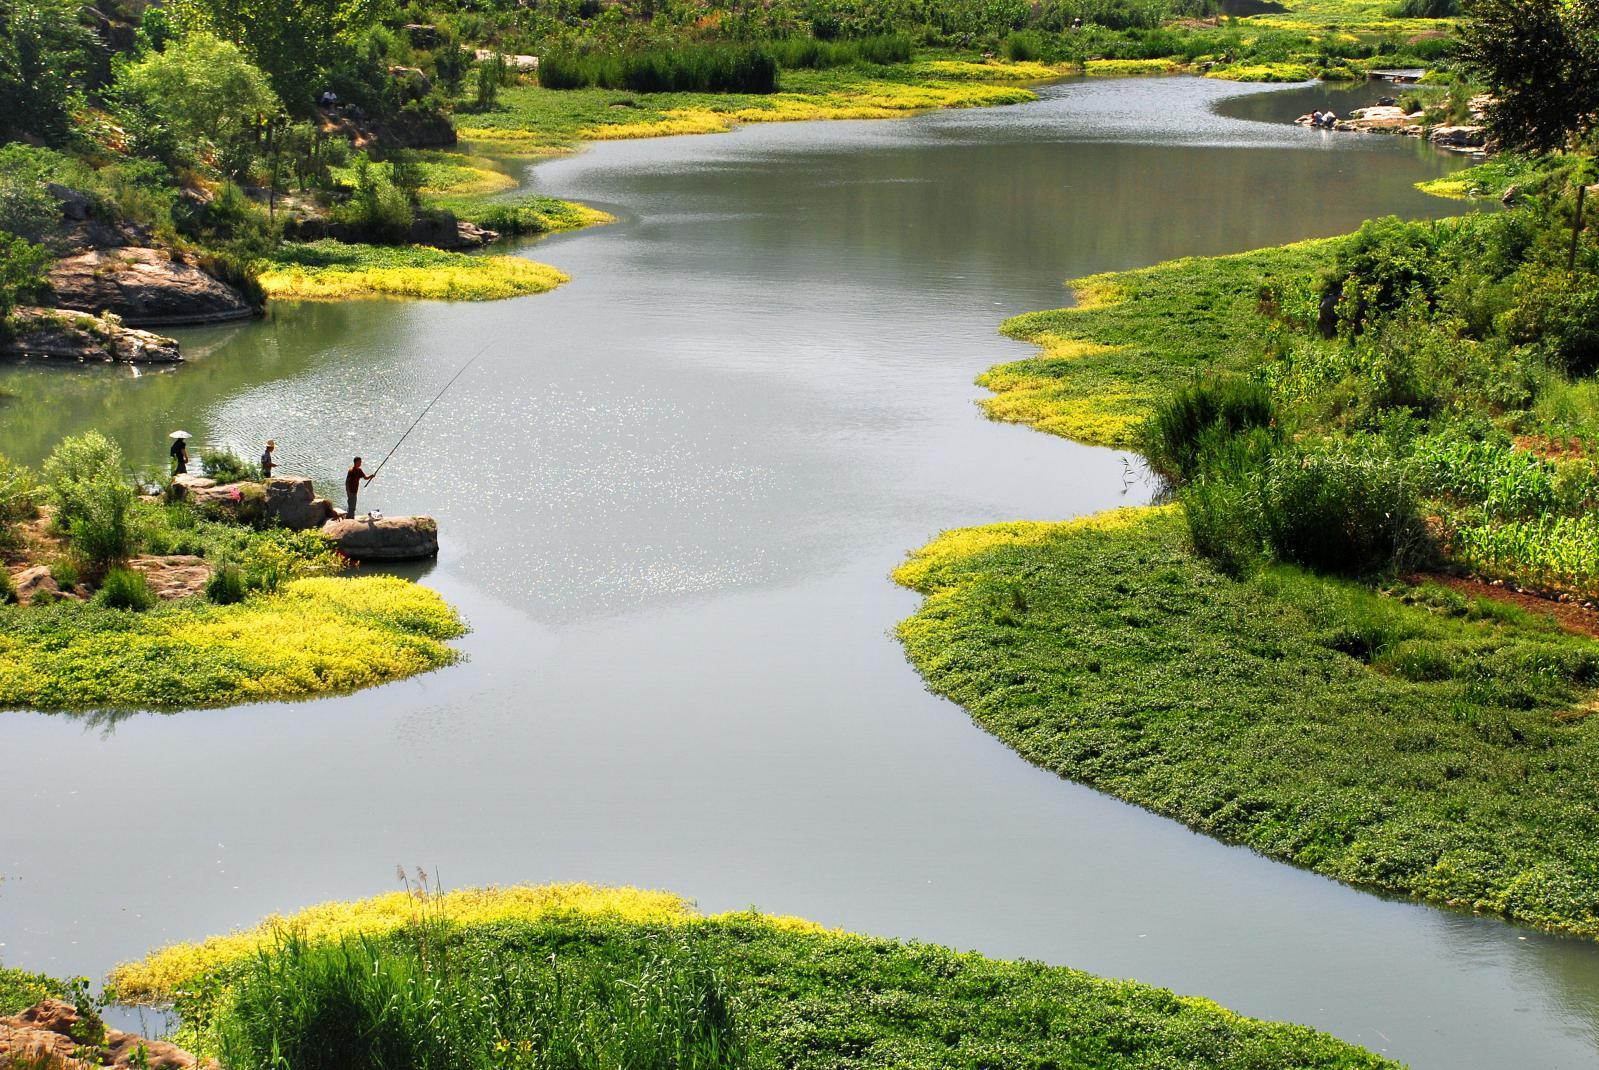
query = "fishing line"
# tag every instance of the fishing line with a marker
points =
(429, 407)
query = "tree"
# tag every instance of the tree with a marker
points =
(22, 267)
(297, 42)
(207, 94)
(44, 52)
(1540, 59)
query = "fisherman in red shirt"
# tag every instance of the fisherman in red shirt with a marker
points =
(352, 485)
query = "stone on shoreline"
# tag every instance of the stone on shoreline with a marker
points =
(389, 538)
(286, 500)
(67, 334)
(1459, 137)
(143, 285)
(51, 1032)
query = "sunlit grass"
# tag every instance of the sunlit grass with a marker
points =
(1415, 741)
(797, 995)
(329, 270)
(314, 636)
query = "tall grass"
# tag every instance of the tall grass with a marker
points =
(809, 53)
(1174, 436)
(365, 1003)
(694, 69)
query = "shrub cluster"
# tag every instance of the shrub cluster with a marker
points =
(688, 69)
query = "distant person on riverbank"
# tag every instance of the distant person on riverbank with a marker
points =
(267, 463)
(352, 486)
(180, 456)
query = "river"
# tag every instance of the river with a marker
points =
(670, 495)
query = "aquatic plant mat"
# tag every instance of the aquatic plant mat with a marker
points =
(539, 976)
(313, 636)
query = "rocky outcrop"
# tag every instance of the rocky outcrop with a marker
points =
(510, 59)
(291, 501)
(143, 285)
(178, 576)
(36, 584)
(1458, 137)
(53, 1034)
(389, 538)
(63, 334)
(288, 501)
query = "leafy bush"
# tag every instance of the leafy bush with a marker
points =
(226, 586)
(1171, 440)
(690, 69)
(1386, 263)
(1022, 47)
(8, 587)
(225, 466)
(19, 499)
(1336, 509)
(125, 588)
(22, 266)
(93, 497)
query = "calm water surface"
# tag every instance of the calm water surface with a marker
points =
(670, 496)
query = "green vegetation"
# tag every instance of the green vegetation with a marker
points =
(533, 119)
(309, 637)
(684, 69)
(1137, 336)
(588, 986)
(329, 269)
(1405, 737)
(20, 989)
(274, 621)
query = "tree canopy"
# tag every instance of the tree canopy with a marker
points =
(1540, 59)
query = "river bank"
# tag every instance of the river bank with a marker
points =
(671, 543)
(1431, 744)
(789, 992)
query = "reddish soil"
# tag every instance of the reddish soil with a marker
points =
(1551, 448)
(1572, 616)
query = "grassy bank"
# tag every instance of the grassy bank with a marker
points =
(1301, 653)
(311, 637)
(518, 976)
(330, 270)
(1408, 738)
(1136, 336)
(534, 119)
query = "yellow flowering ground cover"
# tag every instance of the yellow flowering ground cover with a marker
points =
(158, 976)
(536, 120)
(1134, 336)
(329, 270)
(461, 975)
(313, 636)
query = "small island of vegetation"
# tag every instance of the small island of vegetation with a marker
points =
(133, 602)
(580, 976)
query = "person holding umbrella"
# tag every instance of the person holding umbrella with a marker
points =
(180, 452)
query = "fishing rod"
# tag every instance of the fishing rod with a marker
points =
(425, 411)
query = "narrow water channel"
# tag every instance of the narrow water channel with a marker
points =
(670, 496)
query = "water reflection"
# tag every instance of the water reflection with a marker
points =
(669, 498)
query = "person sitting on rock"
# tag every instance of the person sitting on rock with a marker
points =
(352, 486)
(267, 463)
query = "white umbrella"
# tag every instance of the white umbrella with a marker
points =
(180, 434)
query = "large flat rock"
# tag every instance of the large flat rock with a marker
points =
(64, 334)
(143, 286)
(389, 538)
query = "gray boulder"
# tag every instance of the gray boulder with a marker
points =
(143, 286)
(389, 538)
(290, 501)
(63, 334)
